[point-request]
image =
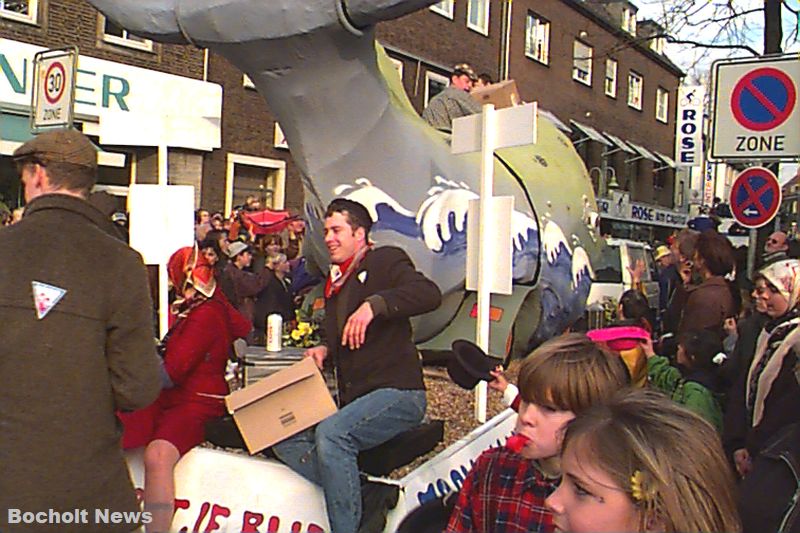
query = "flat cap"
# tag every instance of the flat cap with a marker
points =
(466, 69)
(60, 146)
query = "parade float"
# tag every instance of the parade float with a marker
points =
(353, 132)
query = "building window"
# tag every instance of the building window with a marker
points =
(629, 20)
(434, 84)
(582, 63)
(537, 38)
(657, 44)
(444, 8)
(254, 176)
(611, 78)
(21, 10)
(662, 105)
(120, 36)
(478, 16)
(247, 82)
(635, 83)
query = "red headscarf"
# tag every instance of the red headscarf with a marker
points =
(188, 266)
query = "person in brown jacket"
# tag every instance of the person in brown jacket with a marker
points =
(711, 302)
(77, 335)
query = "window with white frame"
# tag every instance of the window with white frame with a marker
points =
(21, 10)
(434, 84)
(444, 8)
(629, 20)
(657, 44)
(478, 16)
(582, 62)
(635, 83)
(611, 78)
(662, 104)
(537, 38)
(114, 34)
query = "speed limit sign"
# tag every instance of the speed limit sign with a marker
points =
(54, 89)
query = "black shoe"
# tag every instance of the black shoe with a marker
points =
(377, 499)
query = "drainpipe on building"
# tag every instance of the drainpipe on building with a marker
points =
(205, 64)
(505, 44)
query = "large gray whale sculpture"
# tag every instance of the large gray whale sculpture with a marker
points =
(353, 132)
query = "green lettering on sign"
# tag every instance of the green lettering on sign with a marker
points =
(13, 80)
(123, 89)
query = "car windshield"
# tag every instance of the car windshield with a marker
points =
(640, 254)
(608, 268)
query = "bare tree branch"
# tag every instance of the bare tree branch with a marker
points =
(712, 45)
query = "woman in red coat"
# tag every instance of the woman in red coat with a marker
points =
(196, 352)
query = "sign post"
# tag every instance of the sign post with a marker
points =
(488, 131)
(756, 110)
(53, 97)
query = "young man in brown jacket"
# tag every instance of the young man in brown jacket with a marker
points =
(77, 335)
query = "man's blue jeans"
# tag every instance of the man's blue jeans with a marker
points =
(328, 453)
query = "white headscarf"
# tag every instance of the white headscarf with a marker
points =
(785, 276)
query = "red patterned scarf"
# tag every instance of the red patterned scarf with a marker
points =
(340, 273)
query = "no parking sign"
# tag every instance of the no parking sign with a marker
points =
(755, 197)
(755, 113)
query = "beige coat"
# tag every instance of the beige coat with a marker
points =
(62, 377)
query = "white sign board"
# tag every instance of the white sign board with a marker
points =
(755, 114)
(53, 89)
(161, 220)
(518, 128)
(501, 209)
(689, 126)
(124, 99)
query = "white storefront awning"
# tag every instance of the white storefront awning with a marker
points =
(590, 134)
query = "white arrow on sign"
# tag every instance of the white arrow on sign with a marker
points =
(751, 212)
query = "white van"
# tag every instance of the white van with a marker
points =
(611, 275)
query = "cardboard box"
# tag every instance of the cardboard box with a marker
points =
(501, 94)
(280, 405)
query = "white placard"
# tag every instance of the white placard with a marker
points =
(516, 126)
(54, 88)
(161, 220)
(500, 248)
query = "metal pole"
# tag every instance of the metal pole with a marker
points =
(484, 261)
(751, 253)
(163, 286)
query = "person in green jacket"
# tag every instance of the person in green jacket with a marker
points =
(696, 387)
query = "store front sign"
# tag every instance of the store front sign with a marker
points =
(105, 88)
(641, 213)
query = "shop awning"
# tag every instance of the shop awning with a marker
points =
(590, 134)
(555, 120)
(668, 161)
(642, 153)
(15, 130)
(619, 145)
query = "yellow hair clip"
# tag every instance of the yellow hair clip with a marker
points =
(637, 490)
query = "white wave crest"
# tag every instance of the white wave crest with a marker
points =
(365, 193)
(580, 264)
(552, 238)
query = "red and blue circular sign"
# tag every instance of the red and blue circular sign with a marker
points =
(755, 197)
(763, 99)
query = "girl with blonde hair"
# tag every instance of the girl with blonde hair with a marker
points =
(643, 463)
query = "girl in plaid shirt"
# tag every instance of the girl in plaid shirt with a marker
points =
(505, 490)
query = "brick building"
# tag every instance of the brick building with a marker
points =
(122, 79)
(601, 77)
(589, 66)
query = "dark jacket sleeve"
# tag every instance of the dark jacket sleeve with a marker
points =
(133, 364)
(410, 293)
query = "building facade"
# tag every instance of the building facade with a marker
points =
(591, 69)
(124, 87)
